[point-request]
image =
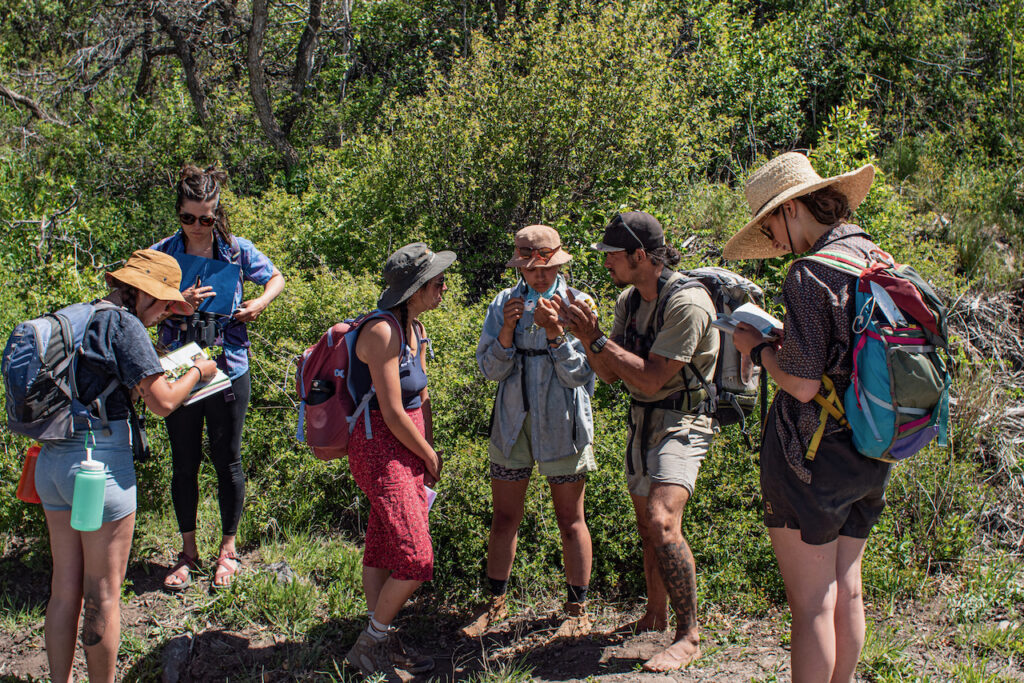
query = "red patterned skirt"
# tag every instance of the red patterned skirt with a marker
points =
(391, 476)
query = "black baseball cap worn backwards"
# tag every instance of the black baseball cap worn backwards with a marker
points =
(631, 230)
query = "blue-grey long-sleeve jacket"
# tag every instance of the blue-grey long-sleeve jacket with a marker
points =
(555, 385)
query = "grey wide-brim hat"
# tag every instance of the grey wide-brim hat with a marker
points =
(408, 269)
(788, 176)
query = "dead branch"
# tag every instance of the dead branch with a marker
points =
(30, 104)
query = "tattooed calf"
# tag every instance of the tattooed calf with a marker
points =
(93, 622)
(675, 563)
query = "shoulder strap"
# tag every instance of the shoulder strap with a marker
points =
(677, 286)
(844, 263)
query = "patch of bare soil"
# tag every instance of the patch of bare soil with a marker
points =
(162, 640)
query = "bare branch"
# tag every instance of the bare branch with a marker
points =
(37, 111)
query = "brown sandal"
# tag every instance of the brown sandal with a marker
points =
(187, 562)
(231, 565)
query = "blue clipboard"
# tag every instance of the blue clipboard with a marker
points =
(220, 275)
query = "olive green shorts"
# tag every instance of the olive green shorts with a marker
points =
(676, 445)
(520, 462)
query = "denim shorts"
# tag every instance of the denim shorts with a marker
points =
(59, 462)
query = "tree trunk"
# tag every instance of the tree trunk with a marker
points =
(258, 86)
(188, 63)
(30, 104)
(306, 53)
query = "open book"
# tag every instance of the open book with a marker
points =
(176, 364)
(751, 314)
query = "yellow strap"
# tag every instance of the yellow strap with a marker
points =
(830, 405)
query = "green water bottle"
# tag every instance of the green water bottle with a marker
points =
(87, 502)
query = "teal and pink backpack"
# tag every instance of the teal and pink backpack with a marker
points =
(898, 400)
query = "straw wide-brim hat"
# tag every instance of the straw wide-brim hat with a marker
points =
(155, 273)
(538, 237)
(786, 177)
(408, 269)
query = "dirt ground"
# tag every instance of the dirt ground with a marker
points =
(735, 648)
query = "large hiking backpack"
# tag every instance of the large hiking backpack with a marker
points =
(328, 411)
(39, 364)
(733, 391)
(898, 400)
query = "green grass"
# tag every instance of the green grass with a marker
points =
(882, 658)
(16, 616)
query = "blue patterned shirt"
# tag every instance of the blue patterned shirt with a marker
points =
(256, 267)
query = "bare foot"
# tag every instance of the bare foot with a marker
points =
(680, 653)
(648, 622)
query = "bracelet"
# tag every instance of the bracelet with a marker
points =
(755, 353)
(196, 367)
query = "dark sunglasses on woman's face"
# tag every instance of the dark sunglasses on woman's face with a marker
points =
(543, 253)
(189, 219)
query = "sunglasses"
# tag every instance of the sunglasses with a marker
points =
(622, 219)
(189, 219)
(437, 281)
(763, 226)
(543, 254)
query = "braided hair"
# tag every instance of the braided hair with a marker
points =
(198, 185)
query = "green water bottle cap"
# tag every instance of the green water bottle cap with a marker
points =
(92, 465)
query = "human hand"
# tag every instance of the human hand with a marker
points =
(581, 319)
(195, 294)
(512, 312)
(434, 466)
(546, 315)
(746, 337)
(207, 368)
(249, 310)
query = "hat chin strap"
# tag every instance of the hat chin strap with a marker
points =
(789, 236)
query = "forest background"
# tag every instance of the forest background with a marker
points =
(350, 128)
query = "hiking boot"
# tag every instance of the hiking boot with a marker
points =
(577, 622)
(486, 617)
(404, 657)
(372, 657)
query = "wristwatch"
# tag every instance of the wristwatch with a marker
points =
(558, 341)
(598, 343)
(755, 353)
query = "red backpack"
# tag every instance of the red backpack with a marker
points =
(328, 411)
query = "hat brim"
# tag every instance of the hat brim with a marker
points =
(750, 243)
(559, 258)
(392, 296)
(157, 290)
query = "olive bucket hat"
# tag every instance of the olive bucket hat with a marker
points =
(788, 176)
(155, 273)
(408, 269)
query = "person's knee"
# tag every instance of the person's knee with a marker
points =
(506, 520)
(849, 592)
(572, 525)
(664, 525)
(809, 603)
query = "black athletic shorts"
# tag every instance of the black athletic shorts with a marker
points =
(846, 495)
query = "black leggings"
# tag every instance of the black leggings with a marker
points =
(224, 422)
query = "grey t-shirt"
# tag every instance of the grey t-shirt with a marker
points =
(116, 346)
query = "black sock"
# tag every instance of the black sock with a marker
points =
(498, 586)
(576, 593)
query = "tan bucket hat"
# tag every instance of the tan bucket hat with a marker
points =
(538, 240)
(155, 273)
(786, 177)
